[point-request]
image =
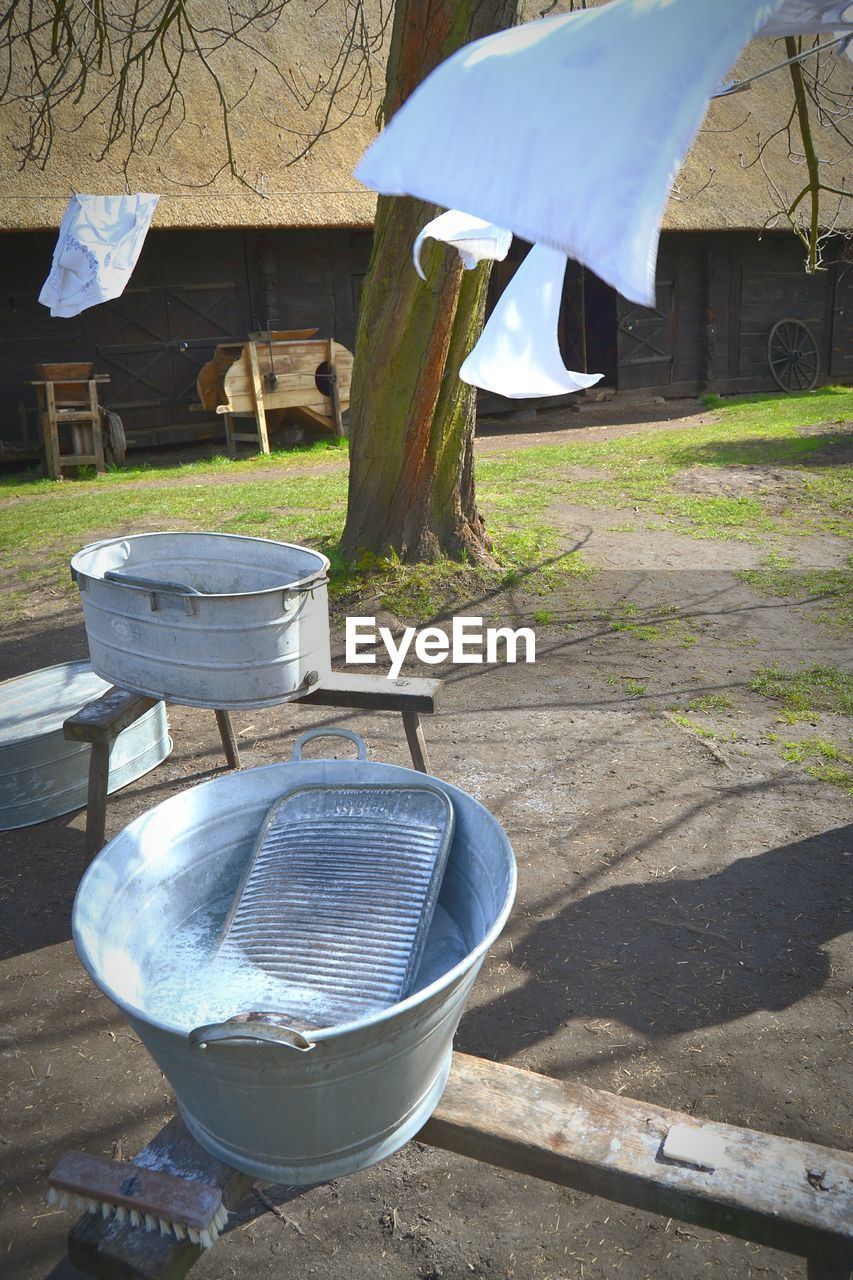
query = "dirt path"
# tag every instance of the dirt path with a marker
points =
(679, 934)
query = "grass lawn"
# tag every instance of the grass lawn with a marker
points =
(788, 451)
(793, 439)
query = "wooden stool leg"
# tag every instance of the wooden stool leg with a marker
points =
(229, 742)
(96, 811)
(415, 739)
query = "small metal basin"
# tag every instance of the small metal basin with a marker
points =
(42, 775)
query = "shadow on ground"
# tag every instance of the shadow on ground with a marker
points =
(672, 956)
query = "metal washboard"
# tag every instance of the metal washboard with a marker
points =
(339, 894)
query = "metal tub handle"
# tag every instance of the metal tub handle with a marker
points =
(329, 733)
(150, 584)
(308, 588)
(155, 587)
(252, 1028)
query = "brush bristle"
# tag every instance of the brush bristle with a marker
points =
(205, 1236)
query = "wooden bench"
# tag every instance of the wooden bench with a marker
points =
(101, 721)
(788, 1195)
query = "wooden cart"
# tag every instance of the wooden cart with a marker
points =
(287, 369)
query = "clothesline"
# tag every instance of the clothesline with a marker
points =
(241, 195)
(737, 85)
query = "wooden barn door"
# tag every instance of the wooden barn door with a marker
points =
(660, 348)
(155, 337)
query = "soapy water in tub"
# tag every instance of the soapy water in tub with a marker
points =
(184, 982)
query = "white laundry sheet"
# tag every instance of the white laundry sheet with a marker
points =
(569, 130)
(100, 239)
(810, 17)
(518, 354)
(474, 238)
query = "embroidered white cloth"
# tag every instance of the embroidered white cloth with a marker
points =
(569, 130)
(474, 238)
(100, 239)
(518, 354)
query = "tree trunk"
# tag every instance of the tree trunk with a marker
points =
(411, 487)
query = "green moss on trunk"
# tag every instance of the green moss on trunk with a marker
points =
(411, 419)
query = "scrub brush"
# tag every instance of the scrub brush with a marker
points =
(143, 1198)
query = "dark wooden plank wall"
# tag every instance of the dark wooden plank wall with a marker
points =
(841, 338)
(190, 290)
(664, 349)
(27, 332)
(774, 285)
(718, 297)
(752, 283)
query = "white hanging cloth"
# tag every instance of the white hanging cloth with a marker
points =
(100, 239)
(518, 354)
(569, 130)
(474, 238)
(809, 17)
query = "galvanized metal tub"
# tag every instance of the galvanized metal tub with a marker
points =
(42, 775)
(264, 1106)
(206, 619)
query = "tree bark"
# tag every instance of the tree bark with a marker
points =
(411, 488)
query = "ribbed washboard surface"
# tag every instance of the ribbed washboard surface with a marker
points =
(338, 897)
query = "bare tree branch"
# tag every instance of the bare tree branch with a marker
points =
(132, 62)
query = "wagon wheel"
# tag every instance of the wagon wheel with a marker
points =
(792, 352)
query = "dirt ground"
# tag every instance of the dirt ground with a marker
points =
(678, 936)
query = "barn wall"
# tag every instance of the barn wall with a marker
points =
(757, 282)
(664, 348)
(841, 338)
(718, 296)
(189, 291)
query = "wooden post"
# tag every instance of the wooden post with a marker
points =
(97, 434)
(96, 800)
(50, 428)
(333, 392)
(258, 389)
(230, 443)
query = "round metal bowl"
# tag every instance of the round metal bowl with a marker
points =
(258, 1102)
(206, 619)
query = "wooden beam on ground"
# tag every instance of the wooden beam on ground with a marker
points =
(778, 1192)
(788, 1195)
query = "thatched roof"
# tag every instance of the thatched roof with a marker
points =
(721, 188)
(713, 192)
(268, 128)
